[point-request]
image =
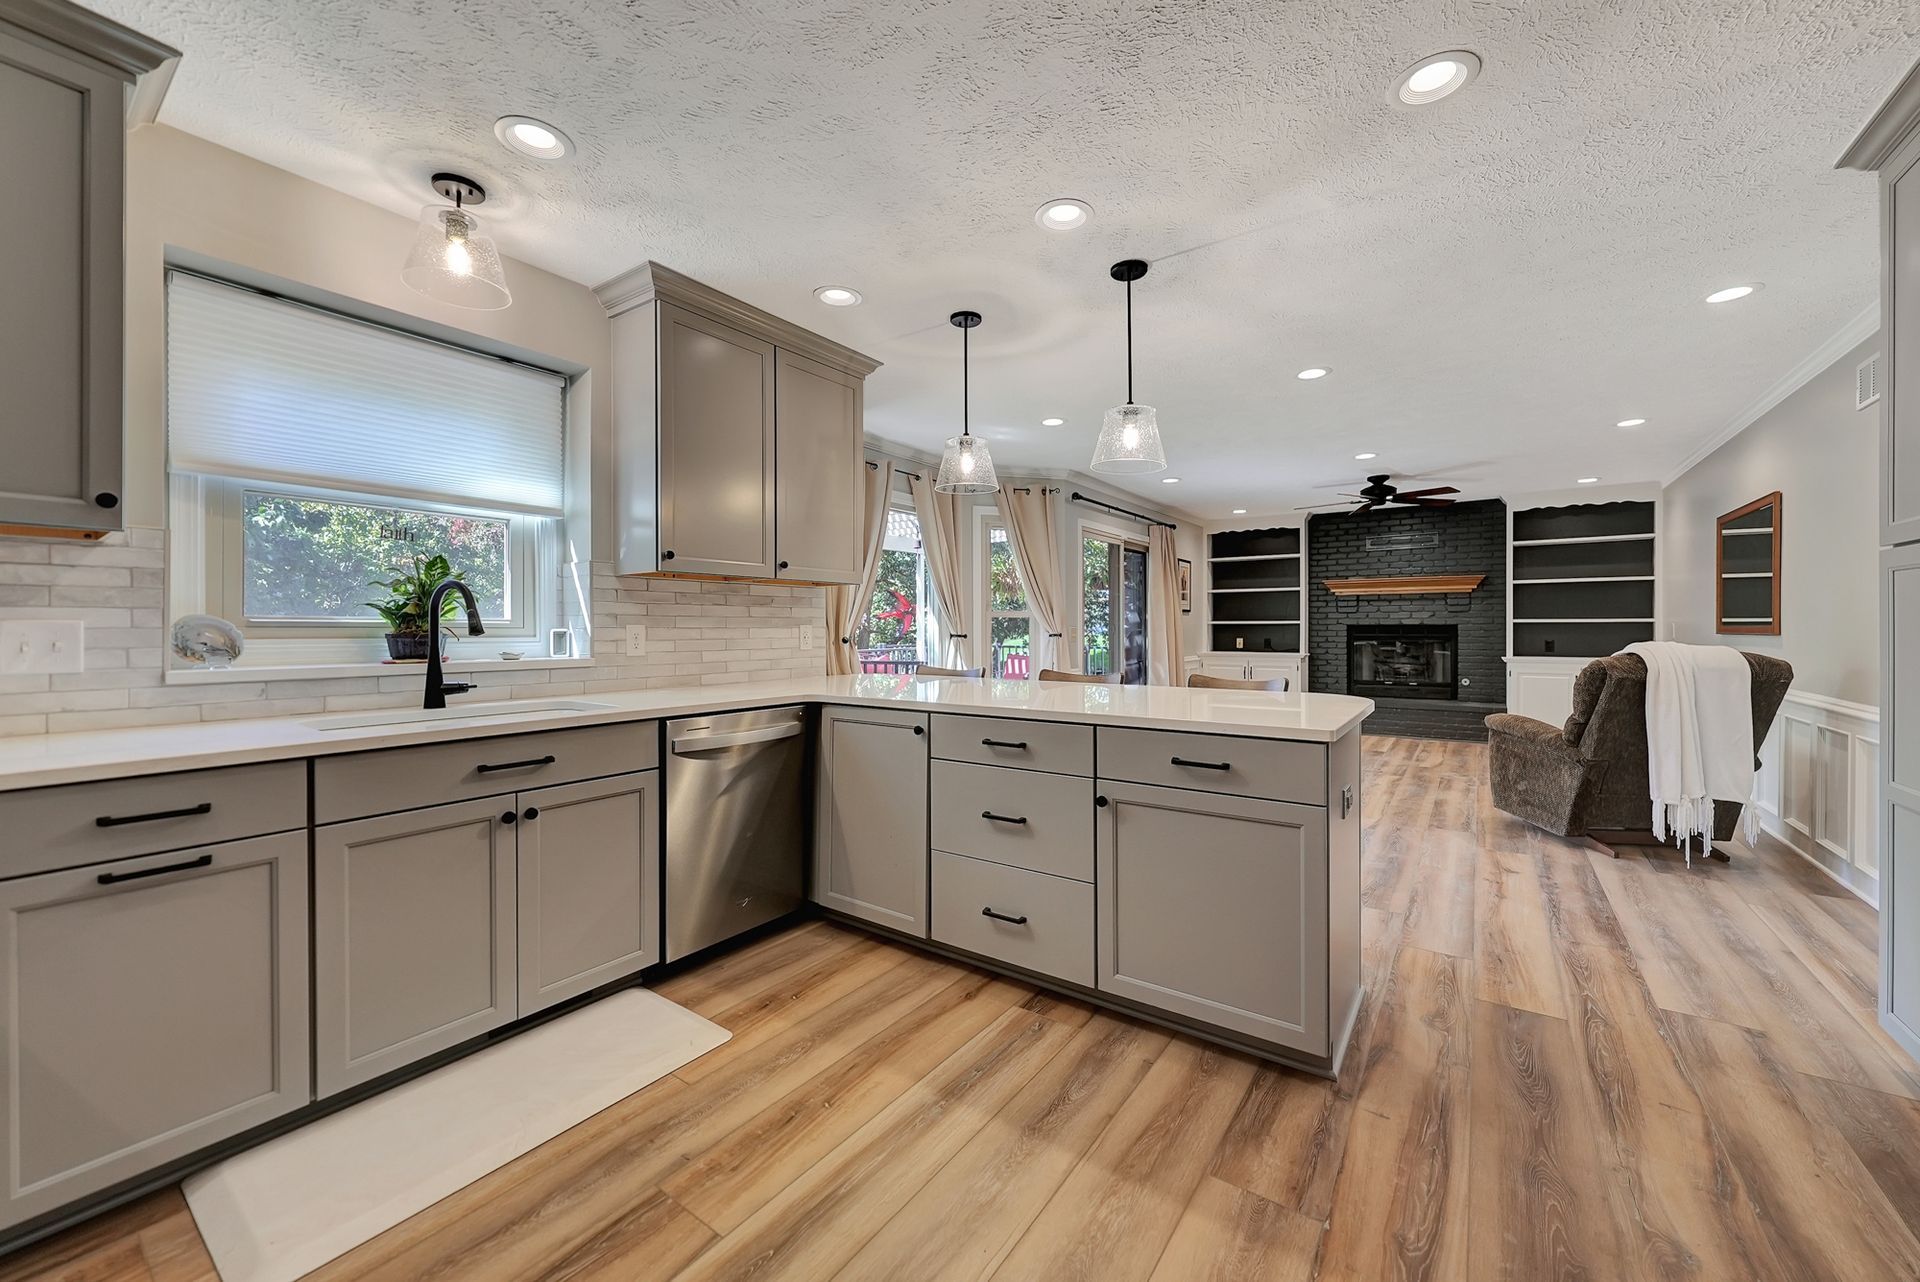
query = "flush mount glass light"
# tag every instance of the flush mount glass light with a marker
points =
(452, 261)
(1310, 374)
(1053, 422)
(1063, 214)
(1731, 293)
(1434, 77)
(1630, 422)
(837, 295)
(1130, 434)
(967, 465)
(532, 137)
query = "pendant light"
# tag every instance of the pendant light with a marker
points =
(452, 261)
(1130, 435)
(967, 466)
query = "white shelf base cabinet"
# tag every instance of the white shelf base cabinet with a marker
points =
(152, 1007)
(1256, 665)
(1542, 687)
(870, 841)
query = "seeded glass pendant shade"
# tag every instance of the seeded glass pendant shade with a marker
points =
(967, 465)
(1130, 434)
(452, 260)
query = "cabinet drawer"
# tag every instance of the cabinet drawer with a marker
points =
(1039, 821)
(1052, 928)
(86, 823)
(999, 741)
(378, 783)
(1275, 769)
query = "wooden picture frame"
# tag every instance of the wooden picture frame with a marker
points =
(1183, 574)
(1746, 569)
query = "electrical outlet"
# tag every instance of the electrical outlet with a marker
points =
(636, 638)
(806, 636)
(42, 645)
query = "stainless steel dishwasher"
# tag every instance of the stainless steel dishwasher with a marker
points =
(736, 824)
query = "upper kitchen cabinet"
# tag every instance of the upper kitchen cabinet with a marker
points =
(70, 72)
(736, 436)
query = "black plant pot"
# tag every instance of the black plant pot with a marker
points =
(409, 646)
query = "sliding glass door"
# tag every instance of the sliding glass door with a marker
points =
(1113, 597)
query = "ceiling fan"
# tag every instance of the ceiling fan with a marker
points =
(1377, 493)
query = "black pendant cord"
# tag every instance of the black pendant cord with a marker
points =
(966, 340)
(1129, 342)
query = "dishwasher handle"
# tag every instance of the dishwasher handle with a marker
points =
(684, 744)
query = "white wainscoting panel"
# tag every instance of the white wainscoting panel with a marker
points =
(1815, 789)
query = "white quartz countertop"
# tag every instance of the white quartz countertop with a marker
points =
(39, 760)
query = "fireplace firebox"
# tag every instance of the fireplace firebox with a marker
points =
(1402, 661)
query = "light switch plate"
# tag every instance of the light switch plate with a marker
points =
(42, 645)
(636, 638)
(806, 636)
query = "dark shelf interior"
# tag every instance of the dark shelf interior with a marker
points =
(1231, 606)
(1254, 542)
(1577, 640)
(1583, 600)
(1583, 521)
(1583, 560)
(1746, 599)
(1746, 554)
(1761, 518)
(1256, 574)
(1271, 638)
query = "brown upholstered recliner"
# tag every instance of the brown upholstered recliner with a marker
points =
(1589, 777)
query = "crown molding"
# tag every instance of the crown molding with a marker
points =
(1882, 135)
(650, 281)
(120, 48)
(1851, 335)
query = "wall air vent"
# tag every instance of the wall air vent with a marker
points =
(1866, 382)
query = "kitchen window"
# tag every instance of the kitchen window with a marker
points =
(310, 454)
(899, 632)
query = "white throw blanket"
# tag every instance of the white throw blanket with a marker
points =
(1699, 736)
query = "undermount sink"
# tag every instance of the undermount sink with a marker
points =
(458, 712)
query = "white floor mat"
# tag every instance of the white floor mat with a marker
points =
(290, 1205)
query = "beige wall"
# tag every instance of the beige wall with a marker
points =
(1823, 457)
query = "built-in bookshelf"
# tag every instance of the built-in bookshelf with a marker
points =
(1253, 597)
(1583, 579)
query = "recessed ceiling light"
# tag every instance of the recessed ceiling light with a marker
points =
(837, 295)
(1053, 422)
(1063, 214)
(1587, 480)
(532, 137)
(1311, 374)
(1364, 457)
(1730, 293)
(1169, 480)
(1434, 77)
(1239, 511)
(1630, 422)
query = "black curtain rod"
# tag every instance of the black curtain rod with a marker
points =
(1078, 497)
(896, 471)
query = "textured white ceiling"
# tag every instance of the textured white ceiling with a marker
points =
(1494, 279)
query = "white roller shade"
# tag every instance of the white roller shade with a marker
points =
(264, 389)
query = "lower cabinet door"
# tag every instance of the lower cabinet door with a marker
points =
(870, 845)
(1215, 907)
(413, 936)
(589, 885)
(148, 1007)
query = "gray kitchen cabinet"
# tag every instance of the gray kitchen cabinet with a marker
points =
(149, 1007)
(736, 436)
(1215, 908)
(817, 482)
(414, 936)
(1900, 334)
(1900, 794)
(589, 878)
(61, 261)
(870, 841)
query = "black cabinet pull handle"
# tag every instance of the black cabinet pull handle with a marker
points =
(1002, 819)
(666, 556)
(1203, 765)
(784, 565)
(1100, 801)
(508, 817)
(116, 821)
(518, 765)
(919, 729)
(108, 878)
(1003, 743)
(106, 499)
(531, 812)
(1021, 920)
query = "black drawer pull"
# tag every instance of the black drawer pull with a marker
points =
(1021, 920)
(1203, 765)
(115, 821)
(1100, 801)
(1003, 743)
(530, 813)
(108, 878)
(518, 765)
(1002, 819)
(509, 817)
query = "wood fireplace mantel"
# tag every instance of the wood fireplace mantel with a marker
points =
(1404, 585)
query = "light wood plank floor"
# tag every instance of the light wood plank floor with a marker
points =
(1568, 1067)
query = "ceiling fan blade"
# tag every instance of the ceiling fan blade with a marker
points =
(1421, 494)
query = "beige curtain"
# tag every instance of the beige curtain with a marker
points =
(942, 540)
(846, 606)
(1165, 662)
(1034, 530)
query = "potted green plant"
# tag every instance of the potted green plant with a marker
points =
(409, 631)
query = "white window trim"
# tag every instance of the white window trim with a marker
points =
(984, 518)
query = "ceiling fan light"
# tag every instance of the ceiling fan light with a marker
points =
(1129, 442)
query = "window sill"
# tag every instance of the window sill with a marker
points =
(321, 671)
